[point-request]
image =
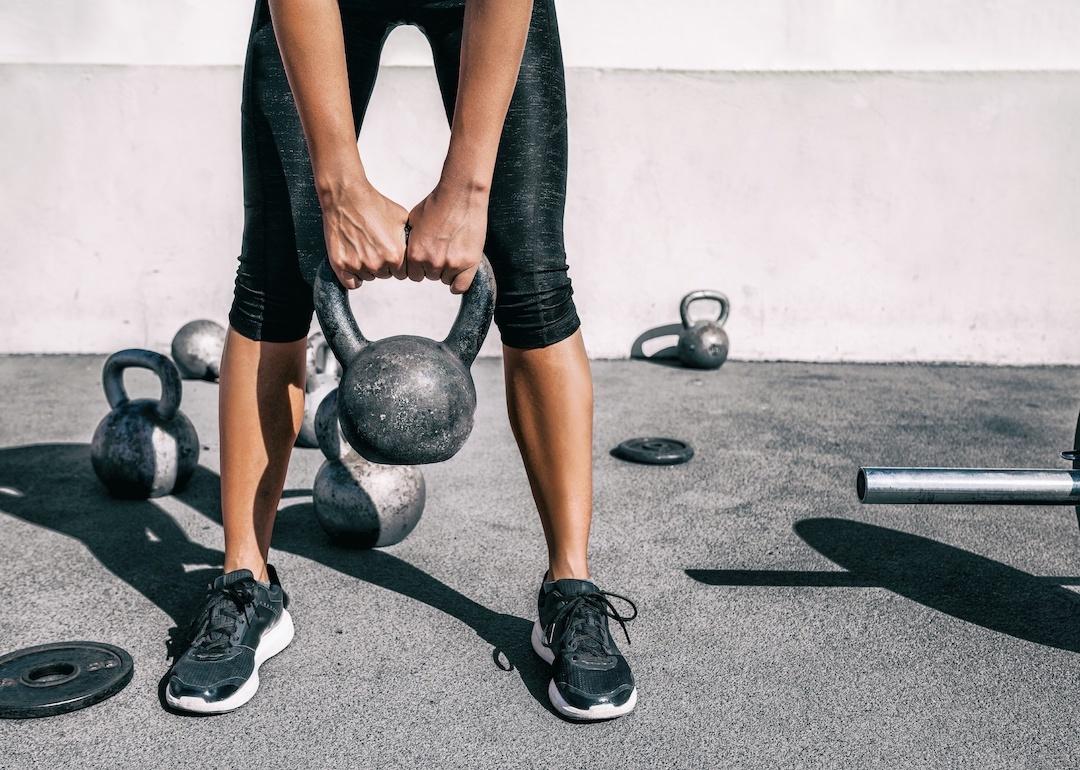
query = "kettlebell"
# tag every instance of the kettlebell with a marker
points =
(197, 349)
(360, 503)
(703, 344)
(322, 367)
(146, 447)
(405, 400)
(306, 437)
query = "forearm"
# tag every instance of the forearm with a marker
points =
(493, 40)
(312, 48)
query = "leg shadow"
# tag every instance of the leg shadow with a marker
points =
(298, 532)
(951, 580)
(53, 486)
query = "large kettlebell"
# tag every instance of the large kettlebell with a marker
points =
(703, 344)
(360, 503)
(146, 447)
(197, 349)
(406, 400)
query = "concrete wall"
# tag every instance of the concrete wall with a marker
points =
(866, 180)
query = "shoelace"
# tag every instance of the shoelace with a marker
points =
(583, 621)
(216, 624)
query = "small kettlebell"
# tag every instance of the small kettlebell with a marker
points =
(197, 349)
(359, 503)
(322, 367)
(703, 344)
(306, 437)
(146, 447)
(405, 400)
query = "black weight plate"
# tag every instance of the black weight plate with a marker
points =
(1076, 447)
(1076, 459)
(56, 678)
(654, 451)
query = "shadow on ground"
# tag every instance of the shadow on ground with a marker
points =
(53, 486)
(951, 580)
(668, 356)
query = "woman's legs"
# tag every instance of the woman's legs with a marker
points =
(550, 400)
(260, 406)
(261, 400)
(548, 383)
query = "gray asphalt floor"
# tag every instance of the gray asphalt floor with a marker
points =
(782, 624)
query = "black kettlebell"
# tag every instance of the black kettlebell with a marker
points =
(146, 447)
(405, 400)
(703, 344)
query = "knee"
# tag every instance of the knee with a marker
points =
(271, 314)
(536, 317)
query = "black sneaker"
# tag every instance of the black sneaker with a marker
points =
(242, 624)
(590, 678)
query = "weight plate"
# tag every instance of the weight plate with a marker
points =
(1076, 447)
(1076, 457)
(56, 678)
(654, 451)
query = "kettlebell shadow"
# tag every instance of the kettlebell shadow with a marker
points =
(668, 356)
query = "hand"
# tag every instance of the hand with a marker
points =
(446, 241)
(365, 232)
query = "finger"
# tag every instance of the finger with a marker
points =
(433, 272)
(463, 280)
(414, 269)
(399, 269)
(345, 278)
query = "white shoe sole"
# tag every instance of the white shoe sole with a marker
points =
(596, 713)
(272, 642)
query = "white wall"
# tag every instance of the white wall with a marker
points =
(740, 35)
(850, 215)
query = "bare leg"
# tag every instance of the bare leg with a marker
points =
(550, 401)
(261, 404)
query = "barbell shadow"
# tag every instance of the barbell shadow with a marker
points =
(668, 356)
(958, 583)
(765, 578)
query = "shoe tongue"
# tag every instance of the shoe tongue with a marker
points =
(232, 578)
(571, 587)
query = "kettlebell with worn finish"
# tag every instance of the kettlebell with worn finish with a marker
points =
(197, 350)
(146, 447)
(405, 400)
(359, 503)
(703, 344)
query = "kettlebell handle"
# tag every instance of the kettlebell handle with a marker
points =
(474, 316)
(112, 378)
(694, 296)
(347, 341)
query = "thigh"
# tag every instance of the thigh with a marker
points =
(276, 158)
(528, 192)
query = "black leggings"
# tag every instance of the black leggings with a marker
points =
(283, 236)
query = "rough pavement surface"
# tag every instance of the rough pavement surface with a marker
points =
(782, 624)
